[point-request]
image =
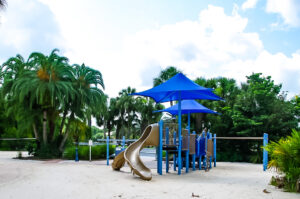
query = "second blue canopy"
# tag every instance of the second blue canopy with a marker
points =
(188, 106)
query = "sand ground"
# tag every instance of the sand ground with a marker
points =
(22, 179)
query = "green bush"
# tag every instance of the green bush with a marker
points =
(47, 152)
(98, 152)
(14, 145)
(285, 157)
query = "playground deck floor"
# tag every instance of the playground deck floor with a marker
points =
(61, 179)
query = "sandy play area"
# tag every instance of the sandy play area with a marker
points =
(28, 179)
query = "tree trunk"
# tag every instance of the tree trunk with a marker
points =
(63, 121)
(117, 132)
(104, 126)
(35, 132)
(90, 121)
(198, 124)
(45, 127)
(66, 133)
(51, 130)
(90, 125)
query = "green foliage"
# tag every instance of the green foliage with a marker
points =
(47, 98)
(32, 148)
(98, 152)
(285, 157)
(128, 115)
(165, 75)
(257, 107)
(97, 133)
(47, 152)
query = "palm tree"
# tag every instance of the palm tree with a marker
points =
(46, 86)
(146, 106)
(107, 114)
(43, 87)
(12, 69)
(87, 83)
(127, 116)
(165, 75)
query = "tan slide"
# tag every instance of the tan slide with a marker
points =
(131, 155)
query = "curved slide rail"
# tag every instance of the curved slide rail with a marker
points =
(131, 155)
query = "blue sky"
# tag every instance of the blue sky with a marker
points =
(131, 41)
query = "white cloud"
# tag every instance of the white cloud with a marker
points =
(197, 47)
(22, 33)
(214, 45)
(289, 10)
(249, 4)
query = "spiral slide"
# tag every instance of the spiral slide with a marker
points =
(131, 155)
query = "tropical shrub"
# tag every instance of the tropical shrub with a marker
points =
(285, 158)
(98, 152)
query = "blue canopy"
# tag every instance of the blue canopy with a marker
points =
(188, 106)
(178, 88)
(179, 85)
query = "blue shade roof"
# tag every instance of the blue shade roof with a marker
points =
(179, 85)
(188, 106)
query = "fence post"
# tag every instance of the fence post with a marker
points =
(215, 150)
(107, 150)
(76, 154)
(265, 152)
(90, 149)
(161, 126)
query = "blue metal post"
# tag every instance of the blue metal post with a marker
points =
(174, 156)
(187, 157)
(265, 152)
(210, 158)
(167, 152)
(107, 150)
(123, 143)
(194, 155)
(215, 150)
(205, 156)
(200, 162)
(179, 133)
(76, 154)
(187, 161)
(200, 156)
(160, 147)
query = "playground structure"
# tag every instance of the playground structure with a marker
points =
(200, 149)
(181, 144)
(155, 135)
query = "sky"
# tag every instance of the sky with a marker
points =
(131, 41)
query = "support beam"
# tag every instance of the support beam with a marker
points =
(107, 150)
(174, 156)
(159, 168)
(215, 150)
(194, 155)
(265, 152)
(179, 133)
(167, 152)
